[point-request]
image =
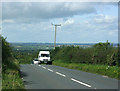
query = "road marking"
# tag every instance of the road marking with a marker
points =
(105, 76)
(50, 70)
(80, 82)
(43, 67)
(60, 74)
(39, 65)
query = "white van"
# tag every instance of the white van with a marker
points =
(44, 57)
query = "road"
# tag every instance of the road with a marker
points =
(56, 77)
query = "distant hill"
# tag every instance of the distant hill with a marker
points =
(39, 46)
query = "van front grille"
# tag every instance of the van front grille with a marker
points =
(45, 59)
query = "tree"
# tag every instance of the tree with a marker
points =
(6, 50)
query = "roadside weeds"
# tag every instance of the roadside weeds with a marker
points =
(110, 71)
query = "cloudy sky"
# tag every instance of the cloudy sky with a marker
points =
(81, 22)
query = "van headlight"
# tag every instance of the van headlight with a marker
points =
(48, 59)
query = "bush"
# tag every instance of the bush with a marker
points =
(25, 56)
(6, 54)
(6, 50)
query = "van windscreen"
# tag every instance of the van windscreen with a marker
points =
(44, 55)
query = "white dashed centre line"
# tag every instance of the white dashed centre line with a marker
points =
(80, 82)
(60, 74)
(50, 70)
(43, 67)
(65, 76)
(39, 65)
(105, 76)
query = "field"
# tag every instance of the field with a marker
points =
(31, 46)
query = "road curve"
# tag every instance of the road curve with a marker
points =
(56, 77)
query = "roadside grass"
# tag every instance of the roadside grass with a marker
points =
(11, 76)
(110, 71)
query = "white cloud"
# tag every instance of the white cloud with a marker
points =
(69, 21)
(8, 21)
(104, 19)
(32, 22)
(60, 0)
(35, 11)
(113, 33)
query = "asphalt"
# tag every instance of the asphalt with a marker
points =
(56, 77)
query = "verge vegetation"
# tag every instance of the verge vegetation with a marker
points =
(25, 56)
(10, 69)
(110, 71)
(102, 58)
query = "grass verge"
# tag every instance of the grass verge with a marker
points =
(110, 71)
(11, 76)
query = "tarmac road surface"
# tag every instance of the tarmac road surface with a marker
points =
(56, 77)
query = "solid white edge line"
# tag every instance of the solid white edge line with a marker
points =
(60, 74)
(80, 82)
(50, 70)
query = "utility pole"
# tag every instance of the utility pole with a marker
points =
(55, 33)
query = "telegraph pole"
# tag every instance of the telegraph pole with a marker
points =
(55, 33)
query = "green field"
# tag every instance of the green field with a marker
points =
(31, 46)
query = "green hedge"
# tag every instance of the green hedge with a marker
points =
(101, 53)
